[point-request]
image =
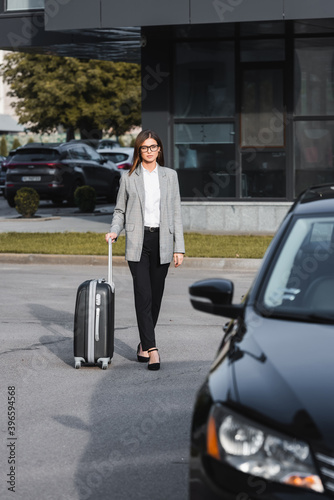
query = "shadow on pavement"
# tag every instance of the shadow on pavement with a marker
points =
(138, 433)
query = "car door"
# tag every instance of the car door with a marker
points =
(97, 170)
(84, 167)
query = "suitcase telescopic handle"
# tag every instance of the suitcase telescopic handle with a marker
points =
(110, 261)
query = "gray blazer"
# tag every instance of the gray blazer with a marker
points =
(129, 214)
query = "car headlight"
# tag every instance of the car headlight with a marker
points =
(255, 450)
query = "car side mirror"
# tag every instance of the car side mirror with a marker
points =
(215, 296)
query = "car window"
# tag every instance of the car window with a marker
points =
(107, 143)
(35, 154)
(65, 154)
(92, 154)
(79, 153)
(116, 157)
(302, 278)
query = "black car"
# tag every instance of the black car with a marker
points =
(56, 170)
(2, 175)
(263, 425)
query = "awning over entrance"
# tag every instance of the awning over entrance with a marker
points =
(9, 126)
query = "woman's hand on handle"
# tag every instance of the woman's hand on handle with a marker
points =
(113, 237)
(178, 259)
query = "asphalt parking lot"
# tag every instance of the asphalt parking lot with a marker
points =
(50, 218)
(84, 434)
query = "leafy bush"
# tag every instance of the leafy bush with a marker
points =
(85, 198)
(26, 201)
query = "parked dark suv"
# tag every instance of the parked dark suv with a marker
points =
(2, 175)
(56, 170)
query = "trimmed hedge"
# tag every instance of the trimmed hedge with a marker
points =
(26, 201)
(85, 198)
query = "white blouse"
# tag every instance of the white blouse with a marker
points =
(152, 197)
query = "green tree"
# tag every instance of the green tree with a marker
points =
(3, 146)
(89, 95)
(16, 143)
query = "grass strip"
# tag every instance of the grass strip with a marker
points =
(71, 243)
(226, 246)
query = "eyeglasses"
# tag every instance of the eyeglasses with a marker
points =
(152, 148)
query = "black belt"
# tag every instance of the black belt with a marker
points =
(151, 229)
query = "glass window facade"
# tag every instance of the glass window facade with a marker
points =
(13, 5)
(203, 156)
(262, 50)
(314, 112)
(204, 111)
(263, 174)
(262, 108)
(314, 69)
(245, 126)
(262, 118)
(266, 28)
(204, 80)
(314, 143)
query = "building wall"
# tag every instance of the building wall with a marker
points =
(241, 165)
(112, 13)
(156, 76)
(233, 217)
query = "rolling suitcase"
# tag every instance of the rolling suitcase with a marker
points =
(94, 320)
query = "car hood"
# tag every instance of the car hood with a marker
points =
(281, 373)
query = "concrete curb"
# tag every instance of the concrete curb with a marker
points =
(47, 217)
(31, 219)
(101, 260)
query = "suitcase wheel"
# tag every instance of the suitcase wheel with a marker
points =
(104, 362)
(77, 361)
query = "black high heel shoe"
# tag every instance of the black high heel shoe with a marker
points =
(142, 359)
(154, 366)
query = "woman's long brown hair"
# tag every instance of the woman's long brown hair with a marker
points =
(141, 137)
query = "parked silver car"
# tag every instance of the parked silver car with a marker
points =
(122, 157)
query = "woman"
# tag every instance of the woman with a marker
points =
(148, 207)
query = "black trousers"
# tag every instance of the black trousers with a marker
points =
(148, 285)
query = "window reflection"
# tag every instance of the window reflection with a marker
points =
(262, 108)
(263, 174)
(299, 282)
(313, 153)
(262, 50)
(263, 133)
(204, 156)
(262, 28)
(204, 101)
(314, 69)
(204, 80)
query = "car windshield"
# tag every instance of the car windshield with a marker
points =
(35, 154)
(300, 283)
